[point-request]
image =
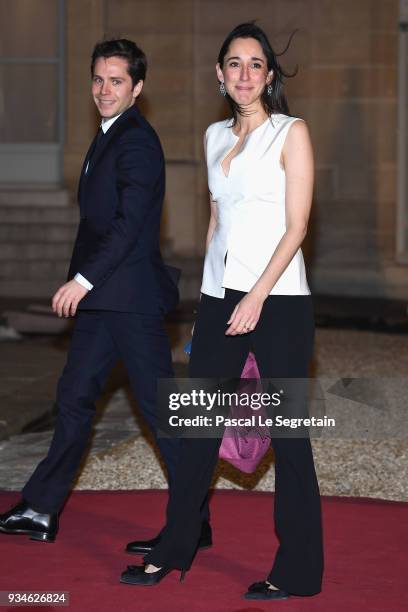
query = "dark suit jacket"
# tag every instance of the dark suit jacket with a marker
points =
(120, 198)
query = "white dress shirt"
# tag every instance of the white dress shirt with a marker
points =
(105, 125)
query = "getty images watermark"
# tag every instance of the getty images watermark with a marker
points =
(359, 408)
(235, 402)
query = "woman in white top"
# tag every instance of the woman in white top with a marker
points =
(254, 297)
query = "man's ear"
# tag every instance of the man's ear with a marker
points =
(138, 88)
(220, 76)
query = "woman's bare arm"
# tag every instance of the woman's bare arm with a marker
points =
(213, 222)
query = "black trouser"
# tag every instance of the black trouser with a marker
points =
(99, 340)
(282, 342)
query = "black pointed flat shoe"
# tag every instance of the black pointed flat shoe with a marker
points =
(23, 520)
(262, 590)
(136, 575)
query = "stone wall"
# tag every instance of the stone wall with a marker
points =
(346, 90)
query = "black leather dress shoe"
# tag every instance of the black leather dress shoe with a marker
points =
(262, 590)
(142, 547)
(23, 520)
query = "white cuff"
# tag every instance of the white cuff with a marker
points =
(82, 281)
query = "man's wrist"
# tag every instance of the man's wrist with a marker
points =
(83, 281)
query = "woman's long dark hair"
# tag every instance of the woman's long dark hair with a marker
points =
(276, 102)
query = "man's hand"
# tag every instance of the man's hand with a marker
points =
(67, 298)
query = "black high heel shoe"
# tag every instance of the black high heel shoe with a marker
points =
(135, 574)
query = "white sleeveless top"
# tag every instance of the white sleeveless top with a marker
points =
(250, 204)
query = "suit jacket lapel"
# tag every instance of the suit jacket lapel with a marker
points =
(83, 176)
(130, 112)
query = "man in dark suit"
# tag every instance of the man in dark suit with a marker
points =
(118, 288)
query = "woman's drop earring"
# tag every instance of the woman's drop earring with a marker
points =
(223, 91)
(269, 90)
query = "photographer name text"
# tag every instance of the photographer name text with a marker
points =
(255, 420)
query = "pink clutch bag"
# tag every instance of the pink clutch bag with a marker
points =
(244, 447)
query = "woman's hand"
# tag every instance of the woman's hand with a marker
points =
(245, 315)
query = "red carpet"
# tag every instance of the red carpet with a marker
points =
(366, 555)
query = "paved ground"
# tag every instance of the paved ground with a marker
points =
(121, 457)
